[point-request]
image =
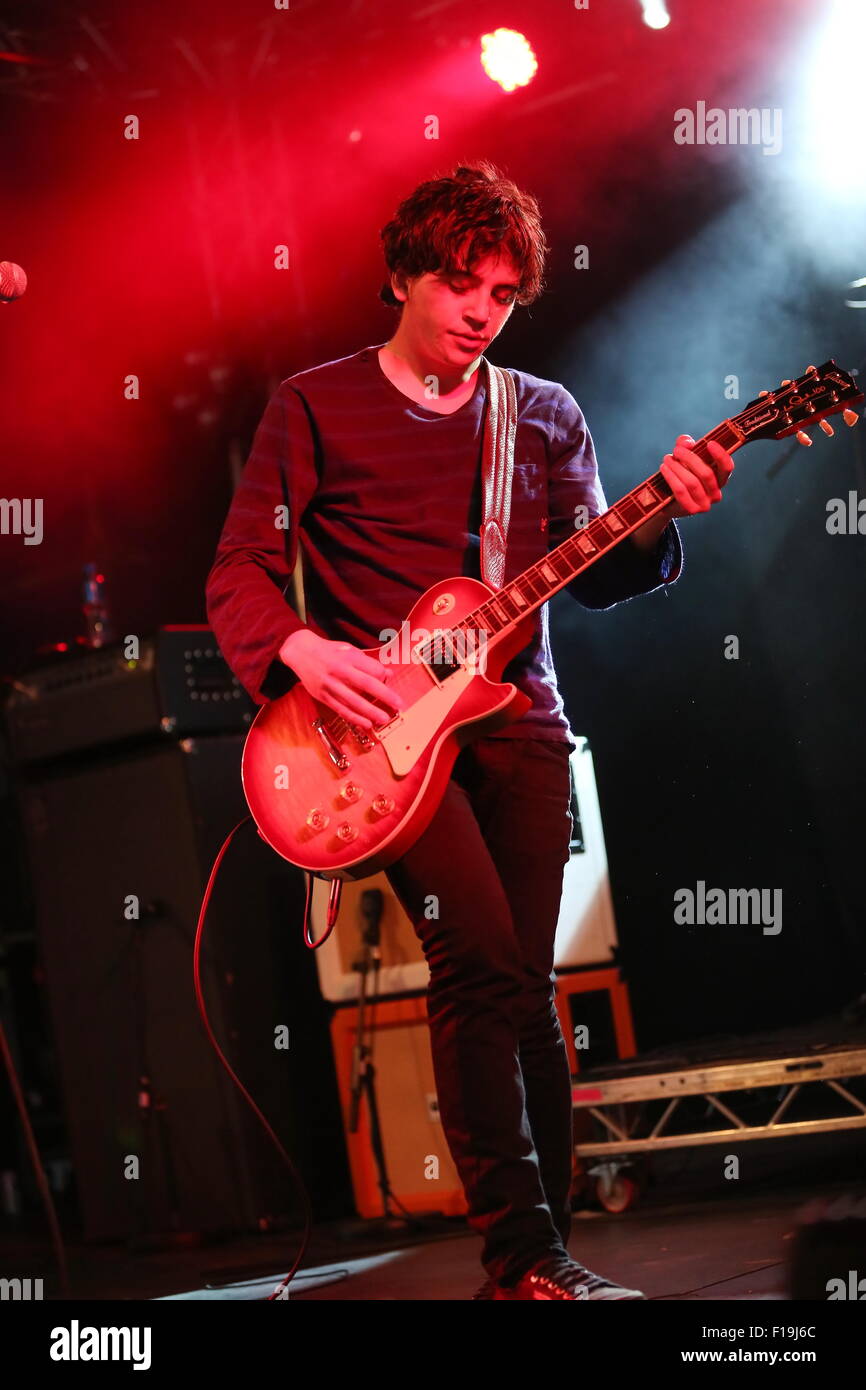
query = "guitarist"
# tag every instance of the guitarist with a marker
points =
(375, 460)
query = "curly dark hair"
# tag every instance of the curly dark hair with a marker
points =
(471, 213)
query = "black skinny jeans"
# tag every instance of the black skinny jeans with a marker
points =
(493, 859)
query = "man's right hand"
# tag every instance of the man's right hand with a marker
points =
(340, 675)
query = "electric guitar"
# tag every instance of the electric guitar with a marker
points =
(344, 802)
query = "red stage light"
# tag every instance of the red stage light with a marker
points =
(508, 59)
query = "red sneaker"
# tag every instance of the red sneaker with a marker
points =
(556, 1278)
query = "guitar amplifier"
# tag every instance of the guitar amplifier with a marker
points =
(179, 685)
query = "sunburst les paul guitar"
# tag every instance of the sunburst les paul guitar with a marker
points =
(344, 802)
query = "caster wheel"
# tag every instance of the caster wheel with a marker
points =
(616, 1193)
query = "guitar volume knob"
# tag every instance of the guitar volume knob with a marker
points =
(382, 804)
(347, 833)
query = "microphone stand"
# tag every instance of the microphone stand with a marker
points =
(363, 1068)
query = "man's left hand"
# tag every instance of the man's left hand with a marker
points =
(695, 485)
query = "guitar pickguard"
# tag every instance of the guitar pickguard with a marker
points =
(410, 731)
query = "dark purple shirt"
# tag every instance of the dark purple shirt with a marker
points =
(384, 496)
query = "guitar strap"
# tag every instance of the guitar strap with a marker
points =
(497, 466)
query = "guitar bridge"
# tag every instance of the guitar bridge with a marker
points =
(332, 748)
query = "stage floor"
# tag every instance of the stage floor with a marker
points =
(685, 1240)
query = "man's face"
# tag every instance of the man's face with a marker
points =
(452, 318)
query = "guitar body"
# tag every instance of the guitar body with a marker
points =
(344, 802)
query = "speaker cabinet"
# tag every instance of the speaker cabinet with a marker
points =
(419, 1165)
(120, 848)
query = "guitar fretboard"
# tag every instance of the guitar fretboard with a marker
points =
(547, 576)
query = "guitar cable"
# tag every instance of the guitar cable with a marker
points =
(333, 906)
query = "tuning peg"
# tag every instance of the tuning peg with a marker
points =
(803, 437)
(826, 427)
(763, 393)
(812, 369)
(850, 417)
(786, 382)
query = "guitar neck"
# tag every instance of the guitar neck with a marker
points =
(559, 567)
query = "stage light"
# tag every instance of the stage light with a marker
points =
(835, 104)
(508, 59)
(856, 285)
(655, 14)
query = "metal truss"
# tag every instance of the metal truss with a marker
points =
(825, 1072)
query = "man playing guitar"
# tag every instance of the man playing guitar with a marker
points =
(374, 461)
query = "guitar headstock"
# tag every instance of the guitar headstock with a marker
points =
(819, 392)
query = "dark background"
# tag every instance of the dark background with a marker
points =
(260, 127)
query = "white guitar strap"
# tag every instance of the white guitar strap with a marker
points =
(497, 466)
